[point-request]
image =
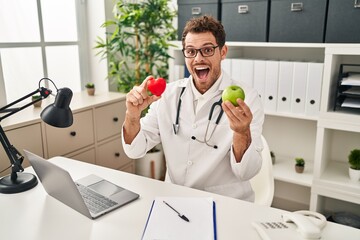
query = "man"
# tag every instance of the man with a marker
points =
(216, 157)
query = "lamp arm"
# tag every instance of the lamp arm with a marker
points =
(13, 154)
(44, 92)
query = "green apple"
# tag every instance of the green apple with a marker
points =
(232, 93)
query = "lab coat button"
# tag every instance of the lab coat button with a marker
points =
(194, 125)
(189, 163)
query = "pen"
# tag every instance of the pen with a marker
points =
(180, 215)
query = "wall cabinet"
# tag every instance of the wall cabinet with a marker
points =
(323, 140)
(94, 137)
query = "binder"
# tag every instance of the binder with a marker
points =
(259, 78)
(164, 222)
(243, 70)
(226, 66)
(313, 91)
(298, 97)
(286, 71)
(271, 85)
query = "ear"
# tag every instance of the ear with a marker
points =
(223, 52)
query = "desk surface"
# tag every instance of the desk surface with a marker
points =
(35, 215)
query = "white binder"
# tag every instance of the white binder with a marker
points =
(226, 66)
(243, 70)
(298, 97)
(259, 78)
(271, 85)
(286, 71)
(314, 85)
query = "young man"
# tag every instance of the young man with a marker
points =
(219, 155)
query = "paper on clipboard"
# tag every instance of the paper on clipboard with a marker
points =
(164, 223)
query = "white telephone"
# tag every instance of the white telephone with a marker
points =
(308, 224)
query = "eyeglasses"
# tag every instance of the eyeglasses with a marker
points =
(204, 51)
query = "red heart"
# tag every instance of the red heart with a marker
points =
(156, 86)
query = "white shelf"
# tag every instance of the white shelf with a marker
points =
(284, 170)
(335, 182)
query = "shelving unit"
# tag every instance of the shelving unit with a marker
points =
(324, 141)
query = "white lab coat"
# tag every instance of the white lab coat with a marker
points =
(194, 164)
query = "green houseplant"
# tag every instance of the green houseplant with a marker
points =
(139, 41)
(36, 97)
(299, 165)
(354, 162)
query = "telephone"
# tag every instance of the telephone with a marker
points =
(308, 224)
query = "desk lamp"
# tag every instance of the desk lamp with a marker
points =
(57, 114)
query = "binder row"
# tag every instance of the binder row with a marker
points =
(284, 86)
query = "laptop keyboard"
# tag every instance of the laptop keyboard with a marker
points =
(94, 201)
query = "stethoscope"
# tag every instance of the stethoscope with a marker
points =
(206, 140)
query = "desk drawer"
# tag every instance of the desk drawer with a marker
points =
(65, 140)
(109, 120)
(111, 154)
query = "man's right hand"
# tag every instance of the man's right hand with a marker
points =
(138, 100)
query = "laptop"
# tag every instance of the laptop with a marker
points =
(91, 196)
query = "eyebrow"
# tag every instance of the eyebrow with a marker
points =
(204, 45)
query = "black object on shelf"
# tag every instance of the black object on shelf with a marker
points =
(347, 95)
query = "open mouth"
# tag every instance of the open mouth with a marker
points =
(202, 72)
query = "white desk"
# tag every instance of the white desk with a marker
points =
(35, 215)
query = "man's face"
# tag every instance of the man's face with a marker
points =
(204, 70)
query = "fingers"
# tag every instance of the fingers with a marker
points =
(139, 93)
(239, 117)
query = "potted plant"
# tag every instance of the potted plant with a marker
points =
(299, 165)
(90, 87)
(136, 46)
(139, 41)
(354, 168)
(34, 98)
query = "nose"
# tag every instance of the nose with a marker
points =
(199, 57)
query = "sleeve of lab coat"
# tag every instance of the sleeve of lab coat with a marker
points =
(251, 161)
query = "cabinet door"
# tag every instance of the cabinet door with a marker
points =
(109, 120)
(28, 138)
(111, 154)
(62, 141)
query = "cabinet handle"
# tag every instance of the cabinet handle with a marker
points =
(283, 99)
(115, 119)
(242, 9)
(196, 10)
(312, 102)
(117, 154)
(73, 133)
(356, 4)
(296, 7)
(270, 97)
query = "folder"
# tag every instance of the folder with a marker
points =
(314, 85)
(164, 221)
(298, 97)
(259, 78)
(226, 66)
(271, 85)
(243, 70)
(286, 71)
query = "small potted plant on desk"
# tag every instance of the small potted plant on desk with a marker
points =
(354, 168)
(36, 97)
(90, 89)
(299, 165)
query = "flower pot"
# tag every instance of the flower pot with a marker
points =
(91, 91)
(37, 104)
(299, 169)
(354, 175)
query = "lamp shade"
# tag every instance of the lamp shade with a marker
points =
(59, 113)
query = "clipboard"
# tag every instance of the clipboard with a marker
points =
(165, 223)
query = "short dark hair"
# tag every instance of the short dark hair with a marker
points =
(205, 24)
